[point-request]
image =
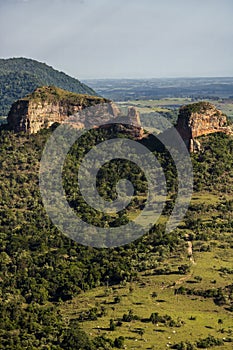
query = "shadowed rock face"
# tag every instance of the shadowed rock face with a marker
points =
(130, 124)
(199, 119)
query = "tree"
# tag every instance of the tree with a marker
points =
(112, 326)
(76, 339)
(154, 318)
(119, 342)
(141, 332)
(183, 269)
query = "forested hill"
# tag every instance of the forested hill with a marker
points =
(21, 76)
(42, 271)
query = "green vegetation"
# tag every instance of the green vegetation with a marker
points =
(57, 294)
(52, 94)
(21, 76)
(40, 266)
(214, 175)
(198, 107)
(168, 107)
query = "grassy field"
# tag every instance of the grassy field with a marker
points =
(195, 317)
(166, 104)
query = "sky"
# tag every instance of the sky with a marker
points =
(90, 39)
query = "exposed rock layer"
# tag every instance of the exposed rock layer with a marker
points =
(49, 105)
(46, 106)
(199, 119)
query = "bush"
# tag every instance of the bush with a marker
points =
(117, 300)
(129, 317)
(119, 342)
(209, 342)
(76, 339)
(112, 325)
(184, 346)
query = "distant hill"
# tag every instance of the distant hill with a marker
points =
(21, 76)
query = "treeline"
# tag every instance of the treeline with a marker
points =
(43, 328)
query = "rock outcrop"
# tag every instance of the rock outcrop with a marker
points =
(49, 105)
(199, 119)
(130, 124)
(46, 106)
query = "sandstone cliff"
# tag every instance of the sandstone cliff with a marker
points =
(45, 106)
(199, 119)
(49, 105)
(130, 124)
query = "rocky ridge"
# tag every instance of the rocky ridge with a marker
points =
(49, 105)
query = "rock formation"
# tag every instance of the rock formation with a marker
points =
(45, 106)
(130, 124)
(199, 119)
(49, 105)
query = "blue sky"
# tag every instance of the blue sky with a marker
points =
(121, 38)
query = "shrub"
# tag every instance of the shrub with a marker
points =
(209, 342)
(112, 325)
(119, 342)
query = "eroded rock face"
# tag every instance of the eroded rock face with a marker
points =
(199, 119)
(134, 119)
(46, 106)
(107, 116)
(49, 105)
(130, 124)
(31, 117)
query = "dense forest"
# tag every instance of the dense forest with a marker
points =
(21, 76)
(40, 268)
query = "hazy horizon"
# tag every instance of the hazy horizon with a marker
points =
(131, 39)
(129, 78)
(163, 78)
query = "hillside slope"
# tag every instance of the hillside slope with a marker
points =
(20, 76)
(47, 280)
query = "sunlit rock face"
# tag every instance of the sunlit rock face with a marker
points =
(46, 106)
(199, 119)
(49, 105)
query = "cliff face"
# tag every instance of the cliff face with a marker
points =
(31, 117)
(130, 124)
(49, 105)
(46, 106)
(199, 119)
